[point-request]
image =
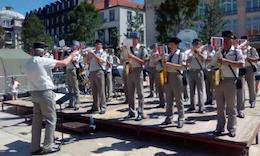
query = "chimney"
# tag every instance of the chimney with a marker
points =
(106, 3)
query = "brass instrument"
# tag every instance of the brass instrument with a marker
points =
(128, 67)
(217, 76)
(163, 72)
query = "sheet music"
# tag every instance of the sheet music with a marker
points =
(58, 96)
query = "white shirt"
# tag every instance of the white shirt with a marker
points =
(194, 64)
(177, 57)
(250, 52)
(93, 65)
(138, 52)
(39, 73)
(234, 55)
(109, 60)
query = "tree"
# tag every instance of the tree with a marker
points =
(34, 31)
(213, 21)
(84, 22)
(173, 16)
(2, 37)
(115, 38)
(136, 23)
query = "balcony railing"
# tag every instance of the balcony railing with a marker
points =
(255, 38)
(256, 9)
(228, 13)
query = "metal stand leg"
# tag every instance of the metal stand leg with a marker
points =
(257, 139)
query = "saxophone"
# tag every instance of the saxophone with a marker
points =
(163, 72)
(127, 64)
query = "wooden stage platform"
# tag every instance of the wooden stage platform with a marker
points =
(198, 128)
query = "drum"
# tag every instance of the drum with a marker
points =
(117, 71)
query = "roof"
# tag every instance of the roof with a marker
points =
(9, 13)
(112, 3)
(13, 54)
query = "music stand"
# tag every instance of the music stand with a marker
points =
(61, 98)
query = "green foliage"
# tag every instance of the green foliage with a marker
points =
(34, 31)
(84, 22)
(213, 21)
(173, 16)
(136, 23)
(115, 37)
(2, 37)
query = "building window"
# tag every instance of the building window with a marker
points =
(62, 30)
(201, 10)
(102, 16)
(231, 25)
(252, 5)
(101, 35)
(141, 18)
(57, 20)
(52, 31)
(111, 15)
(68, 4)
(57, 31)
(229, 7)
(62, 19)
(47, 22)
(63, 5)
(129, 16)
(253, 25)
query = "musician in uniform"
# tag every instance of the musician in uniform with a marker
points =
(97, 68)
(108, 81)
(230, 60)
(209, 75)
(156, 59)
(174, 86)
(151, 73)
(196, 60)
(137, 57)
(124, 60)
(39, 75)
(71, 78)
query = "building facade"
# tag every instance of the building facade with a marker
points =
(11, 21)
(117, 15)
(242, 17)
(112, 12)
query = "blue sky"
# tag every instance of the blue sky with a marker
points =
(24, 6)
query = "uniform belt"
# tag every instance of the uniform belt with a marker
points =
(228, 78)
(195, 70)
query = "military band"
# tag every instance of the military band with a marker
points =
(217, 73)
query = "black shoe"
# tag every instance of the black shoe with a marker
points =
(167, 122)
(129, 116)
(252, 105)
(150, 96)
(37, 152)
(241, 115)
(70, 106)
(102, 112)
(91, 111)
(51, 150)
(218, 132)
(180, 124)
(125, 102)
(186, 99)
(191, 109)
(208, 103)
(76, 108)
(139, 118)
(202, 111)
(160, 106)
(232, 134)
